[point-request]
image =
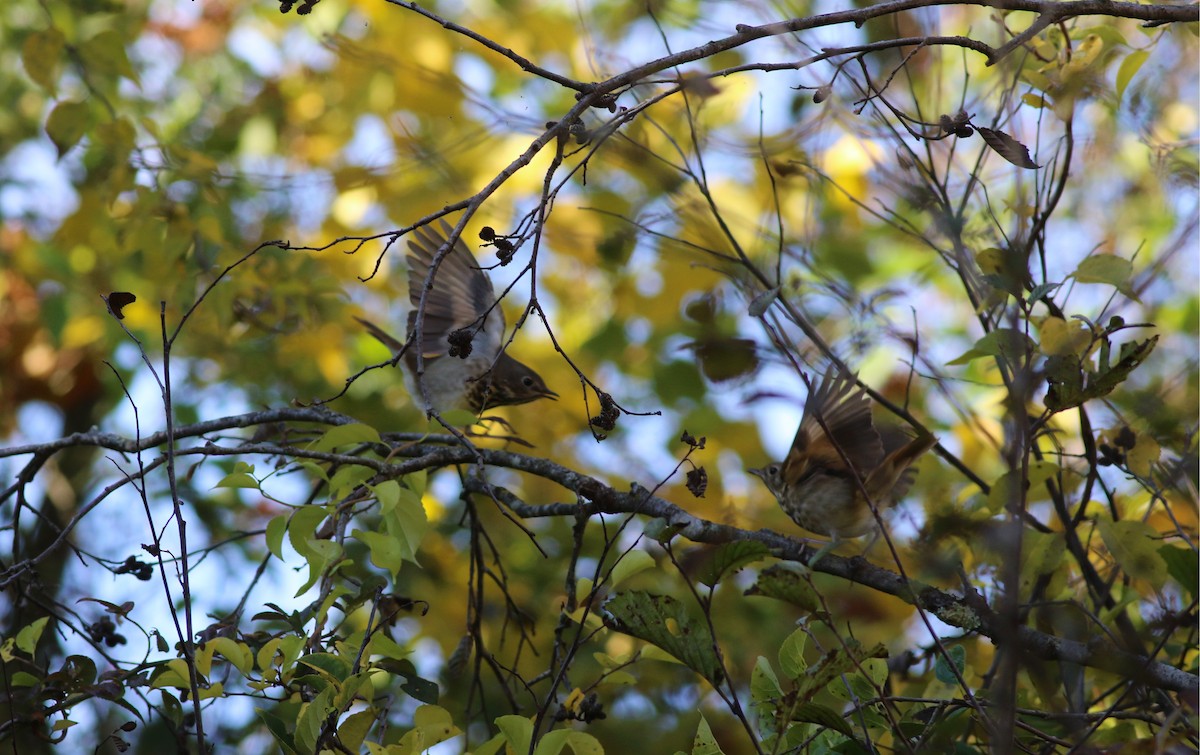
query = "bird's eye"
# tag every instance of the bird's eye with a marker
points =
(527, 381)
(772, 470)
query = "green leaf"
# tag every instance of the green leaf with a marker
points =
(955, 654)
(242, 476)
(387, 493)
(27, 638)
(1135, 546)
(765, 696)
(791, 654)
(66, 125)
(662, 621)
(431, 725)
(661, 531)
(1183, 566)
(761, 303)
(407, 524)
(518, 730)
(105, 53)
(454, 418)
(42, 55)
(630, 564)
(302, 526)
(347, 478)
(729, 557)
(704, 743)
(312, 717)
(1065, 375)
(785, 583)
(835, 662)
(416, 686)
(386, 551)
(345, 435)
(581, 743)
(276, 529)
(355, 728)
(279, 729)
(764, 684)
(1129, 68)
(1008, 343)
(821, 715)
(1107, 268)
(332, 667)
(490, 747)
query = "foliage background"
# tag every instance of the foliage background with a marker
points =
(149, 146)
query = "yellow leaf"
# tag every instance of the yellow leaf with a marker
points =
(1143, 454)
(1061, 336)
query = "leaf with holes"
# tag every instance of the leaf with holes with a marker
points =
(662, 621)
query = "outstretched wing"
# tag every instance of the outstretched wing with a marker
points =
(461, 295)
(844, 409)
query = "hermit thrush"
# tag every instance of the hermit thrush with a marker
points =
(838, 454)
(461, 336)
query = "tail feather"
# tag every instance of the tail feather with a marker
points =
(382, 335)
(895, 475)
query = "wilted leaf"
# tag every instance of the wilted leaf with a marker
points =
(117, 301)
(1008, 148)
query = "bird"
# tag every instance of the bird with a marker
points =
(836, 456)
(462, 335)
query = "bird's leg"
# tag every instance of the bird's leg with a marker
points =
(511, 437)
(823, 550)
(499, 420)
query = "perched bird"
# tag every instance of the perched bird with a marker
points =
(814, 484)
(462, 334)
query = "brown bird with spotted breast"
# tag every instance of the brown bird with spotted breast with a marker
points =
(462, 334)
(817, 488)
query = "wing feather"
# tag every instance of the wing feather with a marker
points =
(461, 294)
(844, 409)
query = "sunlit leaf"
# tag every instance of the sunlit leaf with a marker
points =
(1128, 69)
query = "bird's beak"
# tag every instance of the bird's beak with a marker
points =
(549, 394)
(759, 473)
